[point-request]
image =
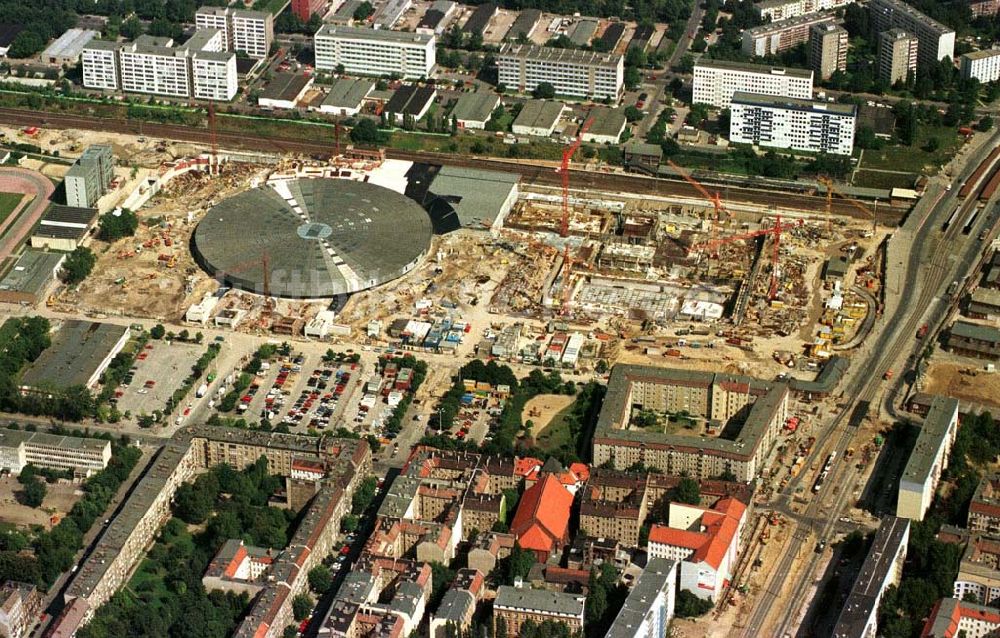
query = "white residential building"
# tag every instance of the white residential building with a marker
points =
(199, 69)
(249, 31)
(982, 65)
(715, 81)
(375, 52)
(936, 40)
(82, 455)
(572, 72)
(802, 125)
(775, 37)
(784, 9)
(928, 460)
(649, 607)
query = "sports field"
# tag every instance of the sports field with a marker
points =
(8, 202)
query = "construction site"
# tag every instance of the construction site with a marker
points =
(699, 279)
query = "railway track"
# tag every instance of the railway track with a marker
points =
(531, 173)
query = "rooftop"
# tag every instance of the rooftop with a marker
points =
(657, 578)
(940, 418)
(474, 197)
(746, 67)
(286, 87)
(524, 24)
(946, 619)
(556, 55)
(480, 18)
(606, 121)
(911, 12)
(982, 55)
(975, 331)
(476, 106)
(69, 215)
(32, 272)
(539, 600)
(455, 606)
(14, 438)
(348, 93)
(539, 114)
(793, 104)
(383, 35)
(778, 26)
(70, 44)
(78, 349)
(867, 589)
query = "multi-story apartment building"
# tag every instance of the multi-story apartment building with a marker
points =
(89, 177)
(514, 606)
(882, 567)
(897, 55)
(198, 69)
(802, 125)
(761, 408)
(957, 618)
(715, 81)
(572, 72)
(827, 49)
(614, 505)
(981, 65)
(928, 460)
(979, 570)
(20, 604)
(304, 9)
(984, 509)
(649, 607)
(775, 37)
(249, 31)
(982, 8)
(375, 51)
(783, 9)
(936, 40)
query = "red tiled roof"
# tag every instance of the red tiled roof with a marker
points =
(582, 471)
(542, 517)
(234, 564)
(676, 537)
(524, 465)
(720, 523)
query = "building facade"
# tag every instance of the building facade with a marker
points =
(20, 604)
(956, 618)
(984, 509)
(827, 49)
(304, 9)
(897, 55)
(100, 63)
(649, 607)
(715, 82)
(783, 9)
(979, 570)
(776, 37)
(515, 606)
(981, 65)
(83, 457)
(982, 8)
(249, 31)
(571, 72)
(375, 52)
(928, 460)
(936, 40)
(802, 125)
(89, 177)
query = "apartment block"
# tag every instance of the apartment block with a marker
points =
(249, 31)
(783, 9)
(827, 49)
(883, 566)
(897, 55)
(375, 52)
(984, 509)
(515, 606)
(572, 72)
(802, 125)
(89, 177)
(982, 8)
(928, 460)
(775, 37)
(981, 65)
(20, 605)
(956, 618)
(304, 9)
(936, 40)
(979, 570)
(198, 69)
(649, 607)
(614, 505)
(759, 407)
(715, 81)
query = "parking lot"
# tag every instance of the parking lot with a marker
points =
(158, 371)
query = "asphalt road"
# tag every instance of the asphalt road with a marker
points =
(926, 274)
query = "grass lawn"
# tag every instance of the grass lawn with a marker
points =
(875, 179)
(8, 202)
(914, 159)
(557, 433)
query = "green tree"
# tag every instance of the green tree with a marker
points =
(291, 631)
(690, 606)
(364, 495)
(302, 606)
(26, 44)
(985, 123)
(34, 492)
(364, 10)
(366, 133)
(113, 227)
(686, 491)
(632, 113)
(157, 331)
(320, 579)
(544, 91)
(131, 28)
(349, 523)
(78, 265)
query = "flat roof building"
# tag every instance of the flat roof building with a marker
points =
(937, 41)
(285, 90)
(375, 51)
(473, 110)
(66, 49)
(928, 460)
(649, 607)
(471, 198)
(572, 72)
(63, 227)
(606, 125)
(783, 9)
(90, 176)
(981, 65)
(389, 14)
(802, 125)
(975, 340)
(80, 352)
(776, 37)
(517, 605)
(251, 32)
(29, 279)
(715, 81)
(524, 25)
(538, 117)
(83, 456)
(897, 55)
(827, 49)
(883, 566)
(346, 96)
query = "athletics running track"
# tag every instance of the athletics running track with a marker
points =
(15, 228)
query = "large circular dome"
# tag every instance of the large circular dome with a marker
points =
(318, 237)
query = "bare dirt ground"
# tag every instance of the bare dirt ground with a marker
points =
(543, 408)
(968, 382)
(58, 501)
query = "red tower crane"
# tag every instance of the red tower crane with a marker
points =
(715, 200)
(775, 230)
